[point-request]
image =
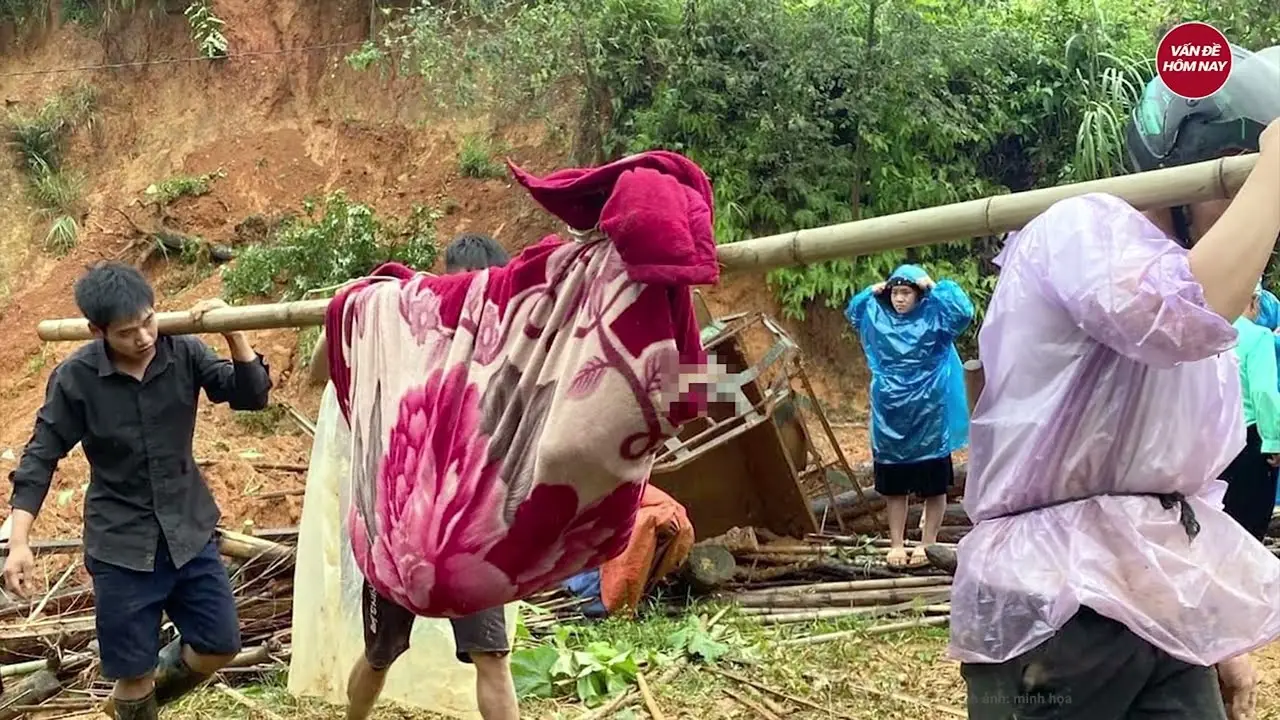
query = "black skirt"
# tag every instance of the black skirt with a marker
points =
(924, 478)
(1251, 487)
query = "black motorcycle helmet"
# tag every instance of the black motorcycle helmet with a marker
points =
(1166, 130)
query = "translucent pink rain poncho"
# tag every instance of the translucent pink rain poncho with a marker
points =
(1106, 375)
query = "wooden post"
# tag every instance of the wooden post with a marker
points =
(974, 380)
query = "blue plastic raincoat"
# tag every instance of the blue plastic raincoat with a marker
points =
(919, 409)
(1269, 317)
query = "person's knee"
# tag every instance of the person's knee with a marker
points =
(135, 688)
(491, 664)
(207, 663)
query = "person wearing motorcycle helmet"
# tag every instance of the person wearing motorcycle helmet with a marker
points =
(1093, 583)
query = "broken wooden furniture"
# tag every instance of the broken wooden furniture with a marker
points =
(747, 462)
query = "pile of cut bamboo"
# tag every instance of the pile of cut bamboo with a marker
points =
(783, 581)
(48, 651)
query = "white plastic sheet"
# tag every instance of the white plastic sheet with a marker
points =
(327, 631)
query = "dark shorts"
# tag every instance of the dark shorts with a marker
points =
(387, 627)
(925, 478)
(1093, 669)
(130, 605)
(1251, 487)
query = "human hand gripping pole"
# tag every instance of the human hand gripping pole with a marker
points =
(237, 341)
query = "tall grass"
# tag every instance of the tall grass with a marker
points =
(39, 142)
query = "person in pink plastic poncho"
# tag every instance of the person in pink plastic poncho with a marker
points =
(1101, 579)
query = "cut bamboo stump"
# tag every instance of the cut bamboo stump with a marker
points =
(709, 568)
(1212, 180)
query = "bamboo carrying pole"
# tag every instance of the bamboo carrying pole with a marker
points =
(1215, 179)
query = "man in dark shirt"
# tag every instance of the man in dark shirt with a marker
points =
(130, 398)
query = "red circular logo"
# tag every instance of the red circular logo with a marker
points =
(1194, 60)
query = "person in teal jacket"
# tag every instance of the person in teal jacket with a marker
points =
(908, 325)
(1269, 318)
(1251, 477)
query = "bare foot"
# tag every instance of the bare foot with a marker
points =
(896, 557)
(918, 557)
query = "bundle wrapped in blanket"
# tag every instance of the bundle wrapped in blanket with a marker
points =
(504, 422)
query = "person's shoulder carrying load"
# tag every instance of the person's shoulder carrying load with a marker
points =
(504, 422)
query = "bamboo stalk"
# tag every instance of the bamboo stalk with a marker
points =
(858, 598)
(650, 703)
(752, 705)
(1211, 180)
(877, 630)
(1189, 184)
(850, 586)
(826, 711)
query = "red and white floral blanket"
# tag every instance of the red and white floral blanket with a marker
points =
(504, 422)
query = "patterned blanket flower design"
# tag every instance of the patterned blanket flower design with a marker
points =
(504, 422)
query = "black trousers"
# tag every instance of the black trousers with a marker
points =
(1094, 668)
(1251, 487)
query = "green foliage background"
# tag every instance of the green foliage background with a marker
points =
(811, 112)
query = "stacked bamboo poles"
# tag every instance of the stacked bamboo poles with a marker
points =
(48, 646)
(1215, 179)
(785, 583)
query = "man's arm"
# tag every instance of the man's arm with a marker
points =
(1123, 282)
(59, 426)
(954, 308)
(244, 382)
(318, 369)
(1231, 256)
(857, 306)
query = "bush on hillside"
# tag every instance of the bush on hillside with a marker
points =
(336, 241)
(39, 141)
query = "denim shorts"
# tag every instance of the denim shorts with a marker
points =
(130, 606)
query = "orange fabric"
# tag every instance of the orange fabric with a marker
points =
(659, 545)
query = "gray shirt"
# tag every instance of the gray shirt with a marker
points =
(137, 435)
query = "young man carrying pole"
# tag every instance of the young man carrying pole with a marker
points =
(130, 399)
(481, 638)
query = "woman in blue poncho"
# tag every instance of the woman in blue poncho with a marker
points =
(908, 326)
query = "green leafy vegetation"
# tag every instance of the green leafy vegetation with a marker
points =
(595, 662)
(335, 241)
(206, 29)
(39, 142)
(477, 158)
(811, 112)
(270, 421)
(178, 186)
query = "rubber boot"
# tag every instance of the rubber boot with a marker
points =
(173, 677)
(141, 709)
(943, 558)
